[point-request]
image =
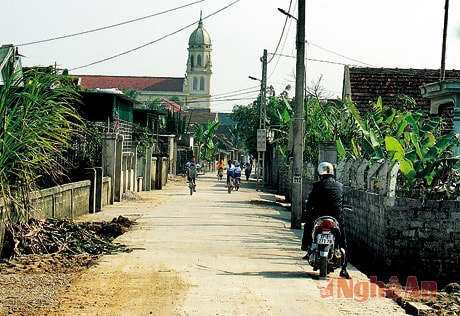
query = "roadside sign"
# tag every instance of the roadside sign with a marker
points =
(261, 139)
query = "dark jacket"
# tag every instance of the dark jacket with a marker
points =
(325, 199)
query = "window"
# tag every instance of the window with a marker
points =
(198, 61)
(202, 83)
(192, 61)
(195, 83)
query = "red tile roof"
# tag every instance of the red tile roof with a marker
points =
(367, 84)
(171, 105)
(169, 84)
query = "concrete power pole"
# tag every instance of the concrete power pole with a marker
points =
(262, 132)
(298, 121)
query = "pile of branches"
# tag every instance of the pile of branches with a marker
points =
(63, 236)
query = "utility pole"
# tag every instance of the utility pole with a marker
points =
(444, 39)
(298, 121)
(262, 132)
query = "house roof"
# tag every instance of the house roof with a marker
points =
(169, 84)
(225, 123)
(199, 117)
(6, 51)
(171, 105)
(364, 85)
(9, 59)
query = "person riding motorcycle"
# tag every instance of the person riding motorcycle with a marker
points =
(230, 167)
(325, 199)
(237, 174)
(192, 168)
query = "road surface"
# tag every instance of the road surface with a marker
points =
(213, 253)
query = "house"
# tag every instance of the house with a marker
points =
(10, 62)
(114, 110)
(364, 85)
(144, 89)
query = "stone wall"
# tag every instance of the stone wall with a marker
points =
(426, 238)
(391, 236)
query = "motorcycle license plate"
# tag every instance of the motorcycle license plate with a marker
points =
(325, 239)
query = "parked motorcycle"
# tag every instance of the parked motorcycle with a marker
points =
(326, 254)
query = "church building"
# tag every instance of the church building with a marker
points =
(192, 91)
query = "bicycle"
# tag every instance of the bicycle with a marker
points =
(192, 186)
(230, 184)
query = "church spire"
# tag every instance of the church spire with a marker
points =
(199, 67)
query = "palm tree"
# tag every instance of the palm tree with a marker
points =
(37, 123)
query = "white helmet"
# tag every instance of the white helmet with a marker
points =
(325, 168)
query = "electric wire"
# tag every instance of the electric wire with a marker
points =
(154, 41)
(332, 52)
(109, 26)
(281, 36)
(321, 60)
(231, 92)
(235, 94)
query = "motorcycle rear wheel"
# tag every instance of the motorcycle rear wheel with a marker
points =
(322, 267)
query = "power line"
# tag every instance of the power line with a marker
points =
(231, 92)
(236, 94)
(332, 52)
(320, 60)
(154, 41)
(281, 36)
(109, 26)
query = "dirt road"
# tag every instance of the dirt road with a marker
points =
(212, 253)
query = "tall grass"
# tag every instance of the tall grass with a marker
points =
(37, 121)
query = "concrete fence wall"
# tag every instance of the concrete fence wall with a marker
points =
(68, 200)
(389, 235)
(393, 236)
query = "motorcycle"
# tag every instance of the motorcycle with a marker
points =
(247, 172)
(237, 181)
(230, 182)
(220, 174)
(192, 186)
(326, 254)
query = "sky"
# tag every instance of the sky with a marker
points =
(150, 38)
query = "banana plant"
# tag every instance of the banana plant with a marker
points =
(424, 153)
(204, 136)
(416, 142)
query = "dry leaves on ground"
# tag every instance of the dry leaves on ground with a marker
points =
(44, 256)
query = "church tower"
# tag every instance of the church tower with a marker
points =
(199, 69)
